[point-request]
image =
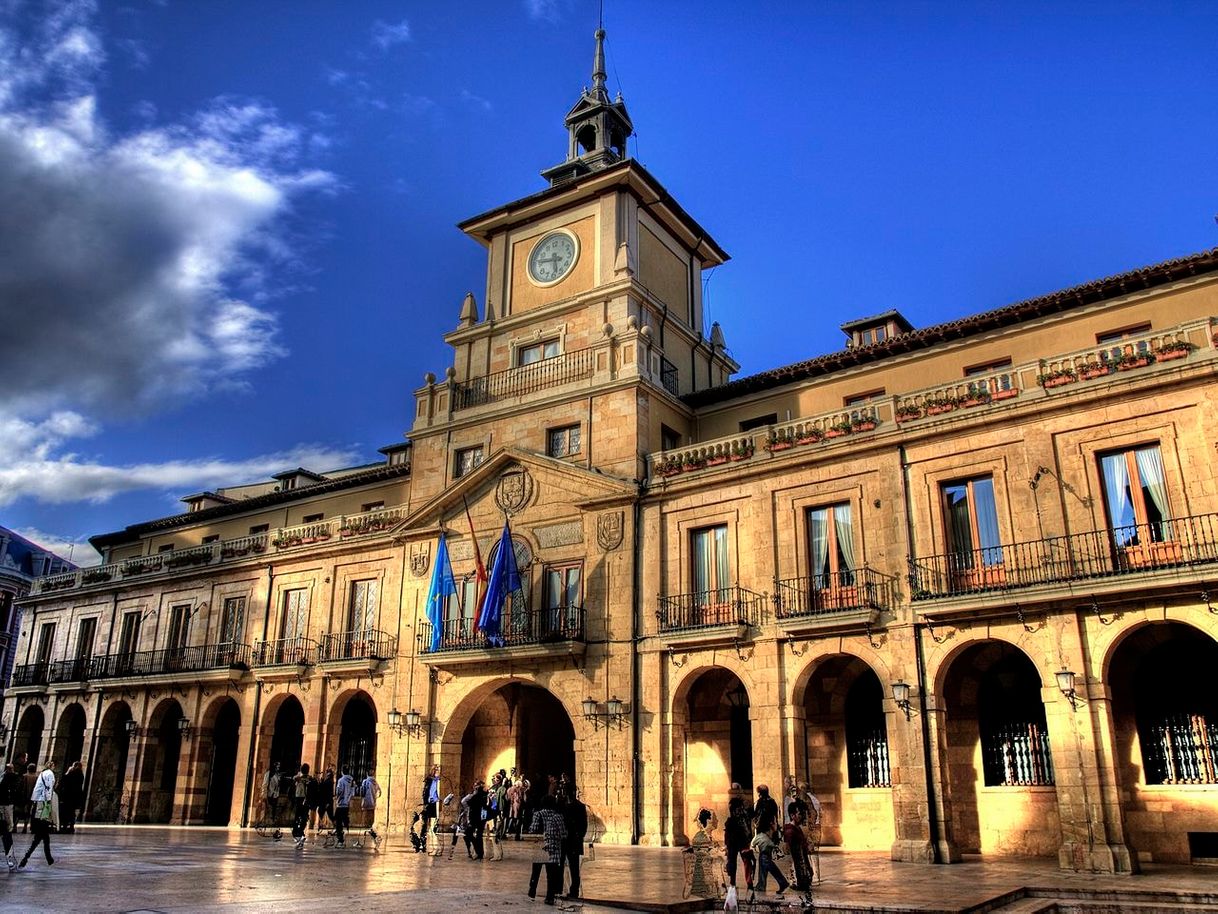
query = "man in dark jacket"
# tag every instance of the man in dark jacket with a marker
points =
(10, 791)
(575, 817)
(477, 822)
(71, 796)
(431, 802)
(765, 813)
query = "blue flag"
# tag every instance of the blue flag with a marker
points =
(504, 581)
(443, 586)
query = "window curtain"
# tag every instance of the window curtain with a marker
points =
(722, 574)
(702, 563)
(843, 527)
(960, 528)
(818, 539)
(1116, 487)
(987, 522)
(1150, 469)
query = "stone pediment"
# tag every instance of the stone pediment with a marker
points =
(516, 483)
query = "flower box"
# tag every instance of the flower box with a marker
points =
(809, 439)
(777, 445)
(973, 401)
(939, 409)
(742, 455)
(908, 415)
(670, 471)
(867, 425)
(1170, 355)
(1138, 362)
(1060, 380)
(835, 433)
(716, 461)
(1006, 394)
(1096, 371)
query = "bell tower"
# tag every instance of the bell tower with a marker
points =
(597, 127)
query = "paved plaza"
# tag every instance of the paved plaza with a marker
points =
(135, 869)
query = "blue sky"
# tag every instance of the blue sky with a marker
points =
(227, 239)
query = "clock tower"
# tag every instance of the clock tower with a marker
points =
(591, 321)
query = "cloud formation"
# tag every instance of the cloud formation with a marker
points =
(385, 35)
(77, 551)
(134, 267)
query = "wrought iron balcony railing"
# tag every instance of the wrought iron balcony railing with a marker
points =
(541, 626)
(1126, 550)
(830, 593)
(361, 644)
(31, 674)
(284, 652)
(668, 377)
(524, 379)
(194, 659)
(710, 608)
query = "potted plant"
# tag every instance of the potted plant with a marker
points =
(778, 441)
(670, 467)
(694, 461)
(809, 435)
(1174, 349)
(94, 576)
(741, 451)
(976, 396)
(839, 428)
(715, 459)
(1057, 377)
(1130, 360)
(1095, 369)
(908, 412)
(938, 405)
(863, 423)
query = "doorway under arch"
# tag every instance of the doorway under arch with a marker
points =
(287, 740)
(159, 771)
(1165, 726)
(846, 754)
(357, 737)
(999, 765)
(70, 737)
(220, 756)
(29, 734)
(521, 726)
(108, 767)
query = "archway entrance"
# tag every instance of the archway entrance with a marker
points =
(523, 727)
(29, 734)
(287, 743)
(108, 768)
(357, 737)
(221, 759)
(999, 764)
(69, 737)
(716, 746)
(159, 772)
(846, 762)
(1165, 721)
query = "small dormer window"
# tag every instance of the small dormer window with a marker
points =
(288, 484)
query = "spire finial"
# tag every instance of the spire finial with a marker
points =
(598, 66)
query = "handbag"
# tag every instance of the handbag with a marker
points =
(729, 902)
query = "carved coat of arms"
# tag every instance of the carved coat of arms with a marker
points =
(420, 559)
(514, 490)
(610, 526)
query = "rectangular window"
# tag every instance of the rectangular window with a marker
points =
(86, 634)
(232, 621)
(468, 459)
(670, 438)
(129, 634)
(6, 610)
(167, 547)
(1122, 333)
(861, 399)
(372, 506)
(747, 425)
(313, 518)
(971, 521)
(259, 528)
(563, 442)
(179, 626)
(1135, 496)
(295, 618)
(361, 611)
(831, 555)
(212, 538)
(537, 352)
(561, 599)
(466, 604)
(46, 640)
(986, 367)
(711, 577)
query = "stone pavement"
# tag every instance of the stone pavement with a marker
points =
(129, 869)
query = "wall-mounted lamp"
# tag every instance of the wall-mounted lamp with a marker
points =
(184, 728)
(409, 722)
(613, 713)
(130, 726)
(900, 695)
(737, 697)
(1065, 682)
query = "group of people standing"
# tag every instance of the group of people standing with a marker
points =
(42, 805)
(488, 814)
(312, 800)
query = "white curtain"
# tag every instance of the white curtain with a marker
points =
(1150, 468)
(987, 522)
(818, 539)
(843, 527)
(1116, 485)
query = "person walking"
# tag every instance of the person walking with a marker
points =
(42, 813)
(431, 801)
(325, 799)
(549, 822)
(71, 796)
(302, 786)
(765, 812)
(29, 780)
(797, 846)
(10, 790)
(764, 846)
(575, 819)
(477, 817)
(737, 835)
(370, 792)
(496, 814)
(461, 828)
(270, 794)
(344, 790)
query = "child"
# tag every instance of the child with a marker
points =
(763, 846)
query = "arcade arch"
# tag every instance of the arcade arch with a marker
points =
(29, 734)
(69, 737)
(157, 790)
(217, 765)
(108, 767)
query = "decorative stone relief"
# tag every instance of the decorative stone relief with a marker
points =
(420, 559)
(610, 527)
(559, 534)
(514, 490)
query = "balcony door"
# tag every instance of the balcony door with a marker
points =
(361, 613)
(831, 557)
(46, 640)
(128, 640)
(1135, 496)
(86, 634)
(560, 599)
(711, 576)
(971, 519)
(232, 630)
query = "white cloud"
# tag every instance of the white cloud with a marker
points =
(385, 35)
(77, 550)
(476, 101)
(545, 10)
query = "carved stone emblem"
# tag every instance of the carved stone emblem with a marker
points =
(559, 534)
(514, 490)
(420, 559)
(610, 526)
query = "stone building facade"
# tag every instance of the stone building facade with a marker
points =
(958, 579)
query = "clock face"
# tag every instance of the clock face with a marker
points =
(552, 258)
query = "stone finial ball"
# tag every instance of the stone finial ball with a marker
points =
(607, 329)
(632, 322)
(450, 372)
(429, 378)
(645, 333)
